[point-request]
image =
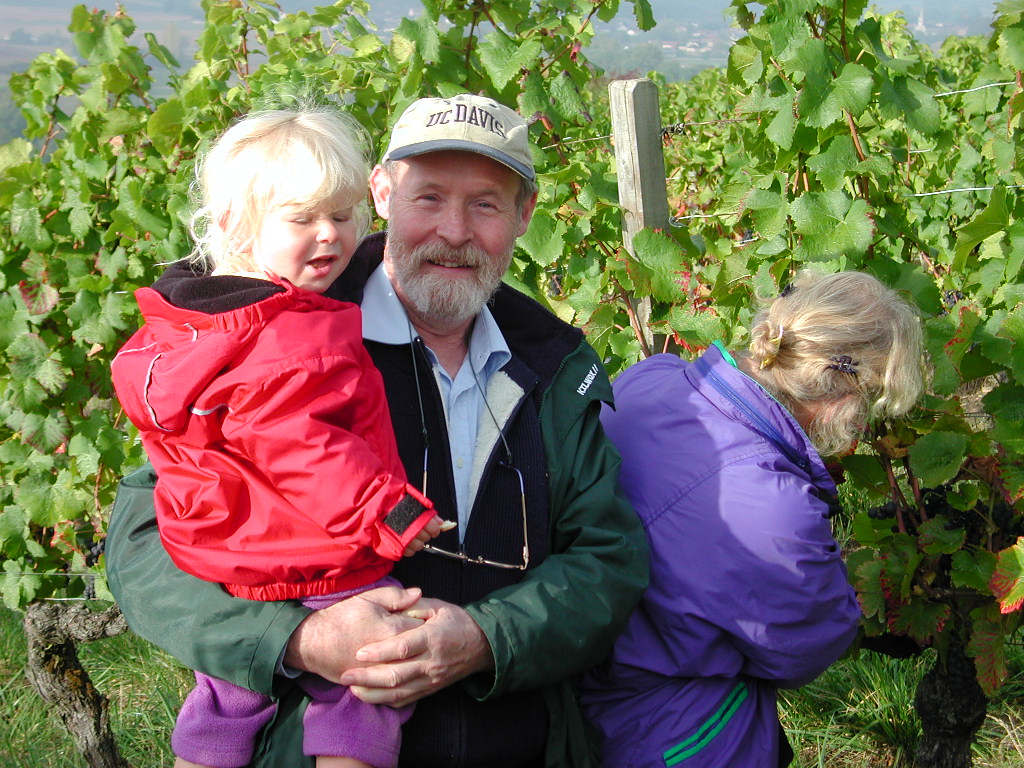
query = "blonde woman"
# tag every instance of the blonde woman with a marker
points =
(722, 458)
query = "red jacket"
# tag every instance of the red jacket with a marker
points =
(271, 436)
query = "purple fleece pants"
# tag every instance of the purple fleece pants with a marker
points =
(219, 721)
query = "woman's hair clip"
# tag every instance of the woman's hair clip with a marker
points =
(769, 359)
(786, 291)
(844, 363)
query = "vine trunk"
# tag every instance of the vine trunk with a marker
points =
(952, 708)
(54, 670)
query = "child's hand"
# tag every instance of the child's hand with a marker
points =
(435, 527)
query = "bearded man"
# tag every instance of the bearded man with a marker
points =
(495, 405)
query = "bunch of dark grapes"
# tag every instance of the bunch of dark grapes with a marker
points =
(886, 511)
(977, 522)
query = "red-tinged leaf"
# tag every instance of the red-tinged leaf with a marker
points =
(1013, 480)
(920, 619)
(1007, 583)
(867, 581)
(39, 298)
(988, 649)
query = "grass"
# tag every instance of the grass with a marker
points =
(859, 714)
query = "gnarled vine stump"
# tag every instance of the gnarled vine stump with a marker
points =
(54, 670)
(952, 708)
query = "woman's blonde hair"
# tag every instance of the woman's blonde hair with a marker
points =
(843, 343)
(304, 157)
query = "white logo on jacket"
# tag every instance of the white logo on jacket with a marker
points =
(587, 380)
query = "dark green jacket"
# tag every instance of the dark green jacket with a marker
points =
(559, 619)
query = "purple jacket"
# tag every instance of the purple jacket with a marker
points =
(748, 592)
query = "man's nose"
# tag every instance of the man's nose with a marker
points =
(454, 226)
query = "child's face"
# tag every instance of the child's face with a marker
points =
(309, 248)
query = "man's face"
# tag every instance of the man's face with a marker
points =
(452, 224)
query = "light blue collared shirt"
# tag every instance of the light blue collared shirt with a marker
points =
(385, 321)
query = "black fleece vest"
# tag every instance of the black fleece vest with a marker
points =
(450, 728)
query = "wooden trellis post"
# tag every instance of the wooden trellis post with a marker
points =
(636, 136)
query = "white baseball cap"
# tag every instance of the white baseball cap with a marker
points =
(464, 122)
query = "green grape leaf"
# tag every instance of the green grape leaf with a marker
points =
(660, 260)
(504, 59)
(832, 224)
(936, 540)
(936, 457)
(973, 569)
(911, 100)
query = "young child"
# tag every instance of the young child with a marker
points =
(266, 420)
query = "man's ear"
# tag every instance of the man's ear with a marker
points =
(380, 189)
(526, 214)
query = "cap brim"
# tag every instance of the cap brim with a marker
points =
(442, 145)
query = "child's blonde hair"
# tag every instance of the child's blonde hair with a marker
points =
(845, 343)
(303, 157)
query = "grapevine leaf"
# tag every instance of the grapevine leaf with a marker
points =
(782, 128)
(98, 318)
(27, 224)
(39, 298)
(912, 100)
(20, 587)
(1011, 47)
(46, 432)
(869, 532)
(936, 457)
(992, 220)
(868, 583)
(867, 472)
(832, 224)
(920, 619)
(661, 260)
(1006, 406)
(164, 125)
(543, 241)
(1012, 475)
(566, 97)
(30, 358)
(13, 526)
(770, 211)
(745, 62)
(936, 540)
(832, 165)
(504, 59)
(643, 14)
(423, 34)
(1007, 583)
(853, 88)
(14, 152)
(132, 203)
(973, 569)
(696, 328)
(987, 646)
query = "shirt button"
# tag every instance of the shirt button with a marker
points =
(459, 463)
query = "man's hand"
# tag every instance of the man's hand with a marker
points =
(326, 641)
(447, 647)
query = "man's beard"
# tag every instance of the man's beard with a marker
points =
(437, 297)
